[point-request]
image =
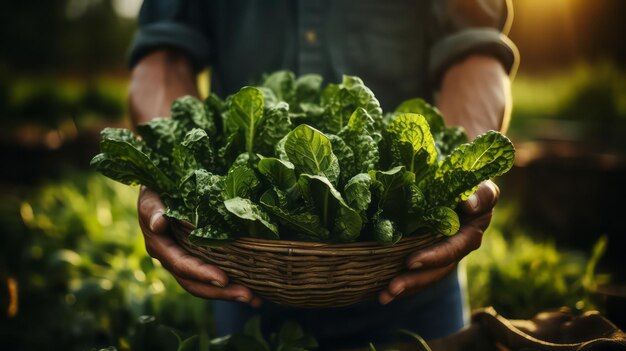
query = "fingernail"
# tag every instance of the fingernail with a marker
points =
(388, 301)
(492, 187)
(216, 283)
(415, 265)
(398, 292)
(473, 201)
(155, 217)
(242, 299)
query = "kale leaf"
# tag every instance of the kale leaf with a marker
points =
(293, 159)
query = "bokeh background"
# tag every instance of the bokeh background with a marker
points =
(73, 270)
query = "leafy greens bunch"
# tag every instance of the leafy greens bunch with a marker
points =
(290, 159)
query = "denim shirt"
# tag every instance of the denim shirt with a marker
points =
(400, 48)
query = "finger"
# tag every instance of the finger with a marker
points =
(483, 200)
(412, 282)
(453, 248)
(233, 292)
(182, 264)
(151, 211)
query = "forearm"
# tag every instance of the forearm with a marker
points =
(156, 81)
(476, 94)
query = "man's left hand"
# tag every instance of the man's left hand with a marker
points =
(434, 263)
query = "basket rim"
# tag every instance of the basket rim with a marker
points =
(292, 244)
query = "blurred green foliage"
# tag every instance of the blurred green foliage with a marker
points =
(49, 100)
(520, 275)
(64, 35)
(584, 101)
(55, 54)
(83, 276)
(84, 279)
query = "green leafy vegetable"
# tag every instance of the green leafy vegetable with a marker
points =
(302, 221)
(359, 137)
(240, 181)
(257, 222)
(281, 174)
(311, 152)
(244, 112)
(489, 155)
(384, 231)
(120, 152)
(294, 159)
(340, 102)
(276, 124)
(193, 113)
(446, 139)
(412, 144)
(344, 222)
(209, 236)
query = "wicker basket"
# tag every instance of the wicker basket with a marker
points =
(304, 274)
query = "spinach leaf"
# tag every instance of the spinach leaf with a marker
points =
(315, 163)
(364, 144)
(388, 194)
(202, 192)
(122, 171)
(302, 221)
(341, 100)
(358, 194)
(193, 113)
(388, 185)
(240, 181)
(311, 152)
(343, 222)
(161, 134)
(421, 107)
(210, 235)
(192, 153)
(416, 201)
(446, 139)
(282, 84)
(385, 233)
(345, 157)
(412, 144)
(489, 155)
(281, 174)
(442, 220)
(308, 88)
(274, 126)
(255, 221)
(121, 151)
(243, 114)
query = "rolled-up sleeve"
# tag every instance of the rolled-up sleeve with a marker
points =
(462, 28)
(180, 24)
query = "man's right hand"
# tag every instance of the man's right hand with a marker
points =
(197, 277)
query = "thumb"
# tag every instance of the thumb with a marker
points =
(483, 200)
(453, 248)
(151, 209)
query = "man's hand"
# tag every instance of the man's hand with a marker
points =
(197, 277)
(157, 80)
(434, 263)
(475, 94)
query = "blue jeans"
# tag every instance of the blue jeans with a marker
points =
(433, 313)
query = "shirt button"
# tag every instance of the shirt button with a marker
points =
(311, 36)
